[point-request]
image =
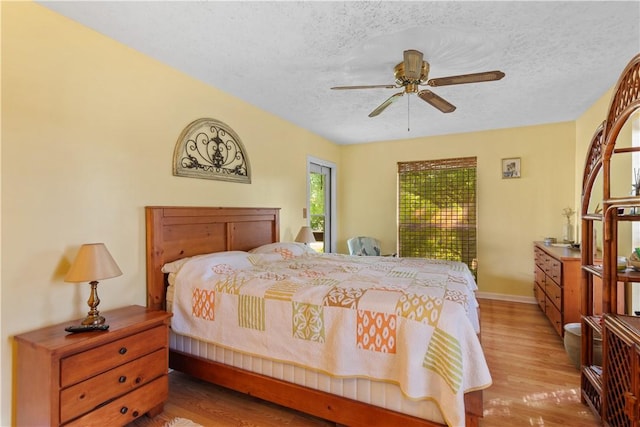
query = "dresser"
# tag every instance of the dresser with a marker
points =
(94, 378)
(557, 284)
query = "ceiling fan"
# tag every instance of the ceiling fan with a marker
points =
(413, 72)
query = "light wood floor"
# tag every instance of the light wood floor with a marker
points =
(534, 383)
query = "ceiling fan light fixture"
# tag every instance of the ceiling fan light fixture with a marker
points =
(412, 64)
(411, 88)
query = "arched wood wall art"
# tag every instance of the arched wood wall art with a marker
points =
(209, 149)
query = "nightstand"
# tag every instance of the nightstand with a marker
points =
(94, 378)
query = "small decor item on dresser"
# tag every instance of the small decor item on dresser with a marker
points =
(93, 263)
(567, 229)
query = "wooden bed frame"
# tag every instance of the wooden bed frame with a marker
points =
(177, 232)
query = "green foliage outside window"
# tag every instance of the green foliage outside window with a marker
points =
(437, 210)
(317, 201)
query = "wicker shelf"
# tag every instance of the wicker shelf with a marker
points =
(596, 270)
(625, 276)
(609, 390)
(592, 388)
(592, 217)
(629, 276)
(594, 322)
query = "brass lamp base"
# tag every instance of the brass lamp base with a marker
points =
(93, 317)
(93, 320)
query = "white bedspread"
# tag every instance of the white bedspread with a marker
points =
(409, 321)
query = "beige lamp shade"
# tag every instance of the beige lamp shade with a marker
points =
(93, 262)
(305, 235)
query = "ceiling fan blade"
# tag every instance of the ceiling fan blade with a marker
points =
(385, 104)
(438, 102)
(365, 87)
(487, 76)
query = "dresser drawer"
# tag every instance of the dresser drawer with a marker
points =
(539, 276)
(552, 270)
(84, 365)
(538, 292)
(554, 293)
(125, 409)
(538, 256)
(83, 397)
(555, 270)
(554, 316)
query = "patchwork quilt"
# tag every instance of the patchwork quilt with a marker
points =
(408, 321)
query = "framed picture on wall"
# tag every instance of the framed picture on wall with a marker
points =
(511, 168)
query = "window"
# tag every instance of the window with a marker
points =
(437, 209)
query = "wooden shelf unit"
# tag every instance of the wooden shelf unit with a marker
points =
(621, 379)
(610, 390)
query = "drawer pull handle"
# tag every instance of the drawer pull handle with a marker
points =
(122, 379)
(138, 379)
(135, 414)
(124, 410)
(123, 350)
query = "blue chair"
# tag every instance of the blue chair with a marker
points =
(362, 245)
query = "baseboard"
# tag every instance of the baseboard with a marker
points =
(506, 297)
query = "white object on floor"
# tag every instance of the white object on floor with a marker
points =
(181, 422)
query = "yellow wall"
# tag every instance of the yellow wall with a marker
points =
(585, 129)
(88, 132)
(512, 213)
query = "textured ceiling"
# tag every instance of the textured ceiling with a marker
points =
(559, 57)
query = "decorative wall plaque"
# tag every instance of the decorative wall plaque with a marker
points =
(209, 149)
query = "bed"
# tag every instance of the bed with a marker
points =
(177, 234)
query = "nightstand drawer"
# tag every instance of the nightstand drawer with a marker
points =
(84, 365)
(83, 397)
(127, 408)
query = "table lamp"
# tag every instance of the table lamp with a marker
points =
(93, 263)
(305, 235)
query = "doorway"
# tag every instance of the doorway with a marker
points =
(321, 203)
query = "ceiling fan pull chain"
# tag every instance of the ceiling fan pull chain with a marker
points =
(408, 114)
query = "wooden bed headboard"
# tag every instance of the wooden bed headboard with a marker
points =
(175, 232)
